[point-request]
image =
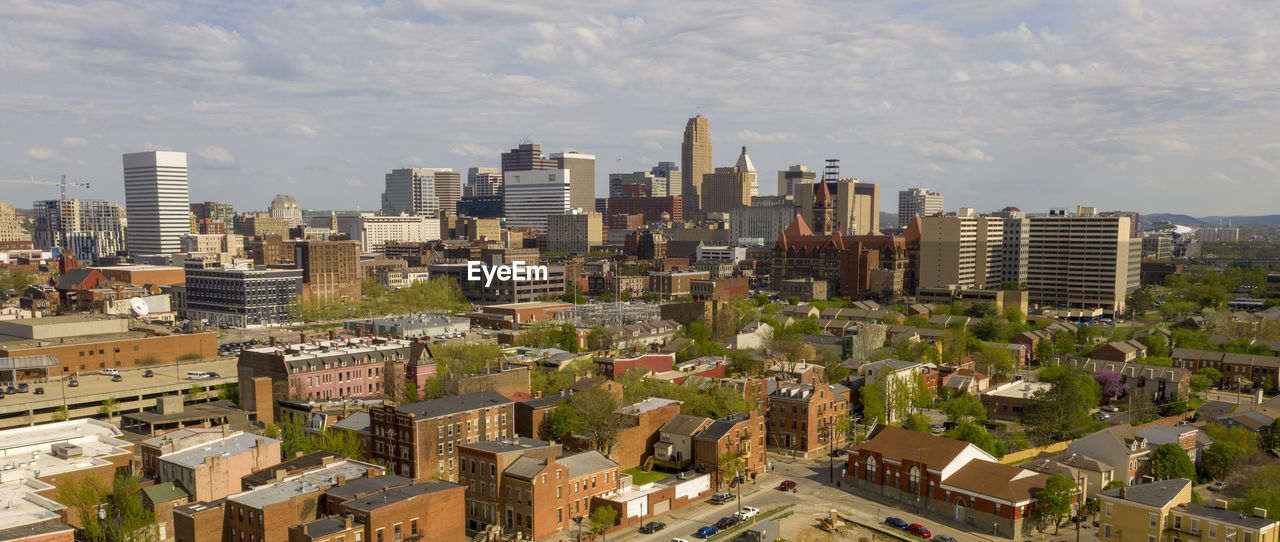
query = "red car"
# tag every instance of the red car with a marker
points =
(787, 486)
(919, 530)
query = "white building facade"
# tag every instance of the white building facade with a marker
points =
(156, 199)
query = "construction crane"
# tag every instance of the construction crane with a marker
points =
(62, 185)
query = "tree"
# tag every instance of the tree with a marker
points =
(432, 388)
(1170, 461)
(963, 407)
(1244, 438)
(870, 337)
(109, 407)
(1113, 484)
(1063, 409)
(729, 464)
(1044, 350)
(918, 423)
(562, 420)
(1271, 437)
(1053, 503)
(125, 519)
(1141, 300)
(921, 395)
(1110, 383)
(1213, 375)
(603, 518)
(995, 361)
(338, 441)
(978, 436)
(410, 392)
(1157, 345)
(63, 414)
(599, 339)
(806, 326)
(598, 417)
(1222, 458)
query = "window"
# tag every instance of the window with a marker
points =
(1108, 511)
(397, 531)
(1151, 538)
(1151, 520)
(379, 536)
(413, 526)
(1177, 522)
(1106, 530)
(559, 515)
(914, 484)
(1213, 530)
(558, 495)
(1248, 537)
(1195, 525)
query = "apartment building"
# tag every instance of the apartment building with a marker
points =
(421, 440)
(543, 496)
(406, 513)
(1142, 512)
(482, 468)
(1084, 261)
(961, 250)
(675, 283)
(240, 295)
(802, 417)
(212, 470)
(172, 441)
(320, 369)
(1218, 523)
(1017, 239)
(575, 231)
(90, 228)
(330, 270)
(741, 434)
(917, 202)
(613, 367)
(1235, 368)
(375, 231)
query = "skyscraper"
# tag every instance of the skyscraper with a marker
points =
(794, 174)
(744, 164)
(582, 171)
(412, 191)
(669, 171)
(526, 157)
(448, 184)
(729, 187)
(917, 202)
(155, 191)
(695, 161)
(90, 228)
(962, 250)
(530, 196)
(1083, 261)
(484, 181)
(1017, 236)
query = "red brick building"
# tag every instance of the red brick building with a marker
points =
(544, 495)
(802, 417)
(719, 289)
(844, 263)
(48, 531)
(742, 434)
(409, 513)
(514, 315)
(613, 367)
(653, 208)
(421, 440)
(481, 471)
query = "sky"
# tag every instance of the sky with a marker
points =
(1168, 106)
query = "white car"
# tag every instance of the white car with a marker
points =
(109, 372)
(747, 512)
(1111, 408)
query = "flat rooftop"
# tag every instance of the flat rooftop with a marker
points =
(527, 305)
(331, 348)
(26, 453)
(196, 455)
(1019, 390)
(140, 268)
(309, 482)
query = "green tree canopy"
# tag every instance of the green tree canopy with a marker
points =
(978, 436)
(1170, 461)
(1053, 503)
(963, 407)
(1062, 410)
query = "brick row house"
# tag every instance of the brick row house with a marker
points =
(1255, 369)
(421, 440)
(544, 495)
(803, 417)
(950, 478)
(742, 434)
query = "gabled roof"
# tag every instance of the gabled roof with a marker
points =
(1011, 484)
(897, 444)
(684, 424)
(797, 227)
(525, 467)
(722, 427)
(586, 463)
(453, 405)
(1157, 494)
(165, 492)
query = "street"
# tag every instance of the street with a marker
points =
(815, 497)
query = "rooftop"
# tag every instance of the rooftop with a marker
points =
(527, 305)
(325, 526)
(1019, 389)
(309, 482)
(34, 530)
(506, 445)
(453, 405)
(586, 463)
(366, 485)
(197, 455)
(647, 405)
(165, 492)
(291, 467)
(27, 450)
(1157, 494)
(1228, 517)
(397, 494)
(722, 426)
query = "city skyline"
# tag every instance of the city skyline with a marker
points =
(1123, 106)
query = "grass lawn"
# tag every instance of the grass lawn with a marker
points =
(640, 477)
(1195, 403)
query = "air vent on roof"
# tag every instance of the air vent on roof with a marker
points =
(66, 450)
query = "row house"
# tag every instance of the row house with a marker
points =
(394, 514)
(212, 470)
(802, 417)
(332, 368)
(1120, 447)
(480, 471)
(741, 434)
(644, 333)
(421, 440)
(543, 496)
(1160, 384)
(1141, 512)
(613, 367)
(952, 478)
(1235, 368)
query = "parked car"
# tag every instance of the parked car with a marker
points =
(706, 532)
(148, 373)
(787, 486)
(1103, 415)
(678, 540)
(22, 388)
(1111, 408)
(214, 375)
(936, 428)
(727, 522)
(944, 538)
(73, 383)
(1218, 486)
(839, 452)
(947, 426)
(747, 512)
(39, 391)
(1, 395)
(109, 372)
(919, 530)
(896, 523)
(117, 378)
(721, 498)
(652, 527)
(11, 390)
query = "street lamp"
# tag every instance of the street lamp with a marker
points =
(578, 522)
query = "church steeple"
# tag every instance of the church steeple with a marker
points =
(824, 210)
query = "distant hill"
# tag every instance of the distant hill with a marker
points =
(1209, 221)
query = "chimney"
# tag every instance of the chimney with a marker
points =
(273, 340)
(333, 334)
(1124, 492)
(1260, 512)
(1220, 503)
(297, 454)
(279, 474)
(346, 521)
(302, 338)
(340, 480)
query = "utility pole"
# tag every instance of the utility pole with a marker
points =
(924, 473)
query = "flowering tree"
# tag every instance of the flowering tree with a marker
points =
(1110, 383)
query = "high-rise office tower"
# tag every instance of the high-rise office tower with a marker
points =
(284, 208)
(526, 157)
(448, 184)
(582, 170)
(484, 181)
(1017, 236)
(155, 191)
(574, 232)
(917, 202)
(962, 250)
(90, 228)
(669, 171)
(729, 187)
(412, 191)
(695, 161)
(530, 196)
(639, 184)
(1082, 261)
(794, 174)
(744, 164)
(10, 227)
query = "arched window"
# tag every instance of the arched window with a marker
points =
(871, 469)
(915, 480)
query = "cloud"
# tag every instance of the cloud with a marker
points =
(472, 150)
(752, 136)
(962, 151)
(217, 157)
(42, 153)
(1260, 163)
(72, 142)
(300, 129)
(1223, 177)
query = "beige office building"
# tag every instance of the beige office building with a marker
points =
(695, 156)
(575, 231)
(726, 189)
(961, 250)
(857, 205)
(1084, 261)
(582, 177)
(795, 174)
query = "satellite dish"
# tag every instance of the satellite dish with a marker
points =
(139, 307)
